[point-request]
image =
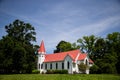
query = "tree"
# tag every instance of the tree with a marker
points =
(114, 48)
(94, 69)
(82, 67)
(100, 49)
(87, 44)
(21, 31)
(106, 53)
(65, 46)
(6, 47)
(103, 51)
(16, 50)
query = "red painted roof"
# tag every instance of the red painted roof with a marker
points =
(90, 61)
(60, 56)
(42, 48)
(82, 56)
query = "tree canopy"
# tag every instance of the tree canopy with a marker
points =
(65, 46)
(16, 50)
(105, 52)
(17, 53)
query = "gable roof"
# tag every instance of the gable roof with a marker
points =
(42, 48)
(60, 56)
(82, 56)
(90, 61)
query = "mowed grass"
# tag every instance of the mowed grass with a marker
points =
(60, 77)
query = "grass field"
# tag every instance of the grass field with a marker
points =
(60, 77)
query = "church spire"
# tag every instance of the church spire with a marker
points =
(42, 48)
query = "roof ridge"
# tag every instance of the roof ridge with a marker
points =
(66, 51)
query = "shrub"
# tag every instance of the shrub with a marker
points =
(94, 69)
(57, 72)
(35, 71)
(82, 67)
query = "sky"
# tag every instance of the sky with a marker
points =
(68, 20)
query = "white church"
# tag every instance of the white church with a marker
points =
(62, 61)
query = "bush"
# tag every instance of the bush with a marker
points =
(57, 72)
(35, 71)
(94, 69)
(82, 67)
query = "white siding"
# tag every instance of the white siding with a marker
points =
(59, 65)
(66, 60)
(73, 67)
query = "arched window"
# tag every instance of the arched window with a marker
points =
(39, 66)
(56, 65)
(86, 62)
(46, 66)
(51, 66)
(62, 65)
(68, 65)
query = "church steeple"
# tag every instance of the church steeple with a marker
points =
(41, 56)
(42, 48)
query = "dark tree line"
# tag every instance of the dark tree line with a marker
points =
(16, 50)
(105, 52)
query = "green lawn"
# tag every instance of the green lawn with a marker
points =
(60, 77)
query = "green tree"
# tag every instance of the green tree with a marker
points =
(114, 47)
(65, 46)
(104, 52)
(16, 48)
(6, 49)
(94, 69)
(100, 49)
(87, 44)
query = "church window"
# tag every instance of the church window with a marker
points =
(51, 66)
(46, 66)
(68, 65)
(56, 65)
(41, 66)
(62, 65)
(86, 62)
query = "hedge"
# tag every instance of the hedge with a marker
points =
(57, 72)
(35, 71)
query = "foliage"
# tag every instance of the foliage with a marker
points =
(65, 46)
(59, 77)
(35, 71)
(57, 72)
(87, 43)
(94, 69)
(16, 50)
(104, 52)
(82, 67)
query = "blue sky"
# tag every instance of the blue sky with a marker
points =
(56, 20)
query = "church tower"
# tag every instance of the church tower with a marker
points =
(41, 56)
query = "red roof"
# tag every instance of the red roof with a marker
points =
(42, 48)
(60, 56)
(82, 56)
(90, 61)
